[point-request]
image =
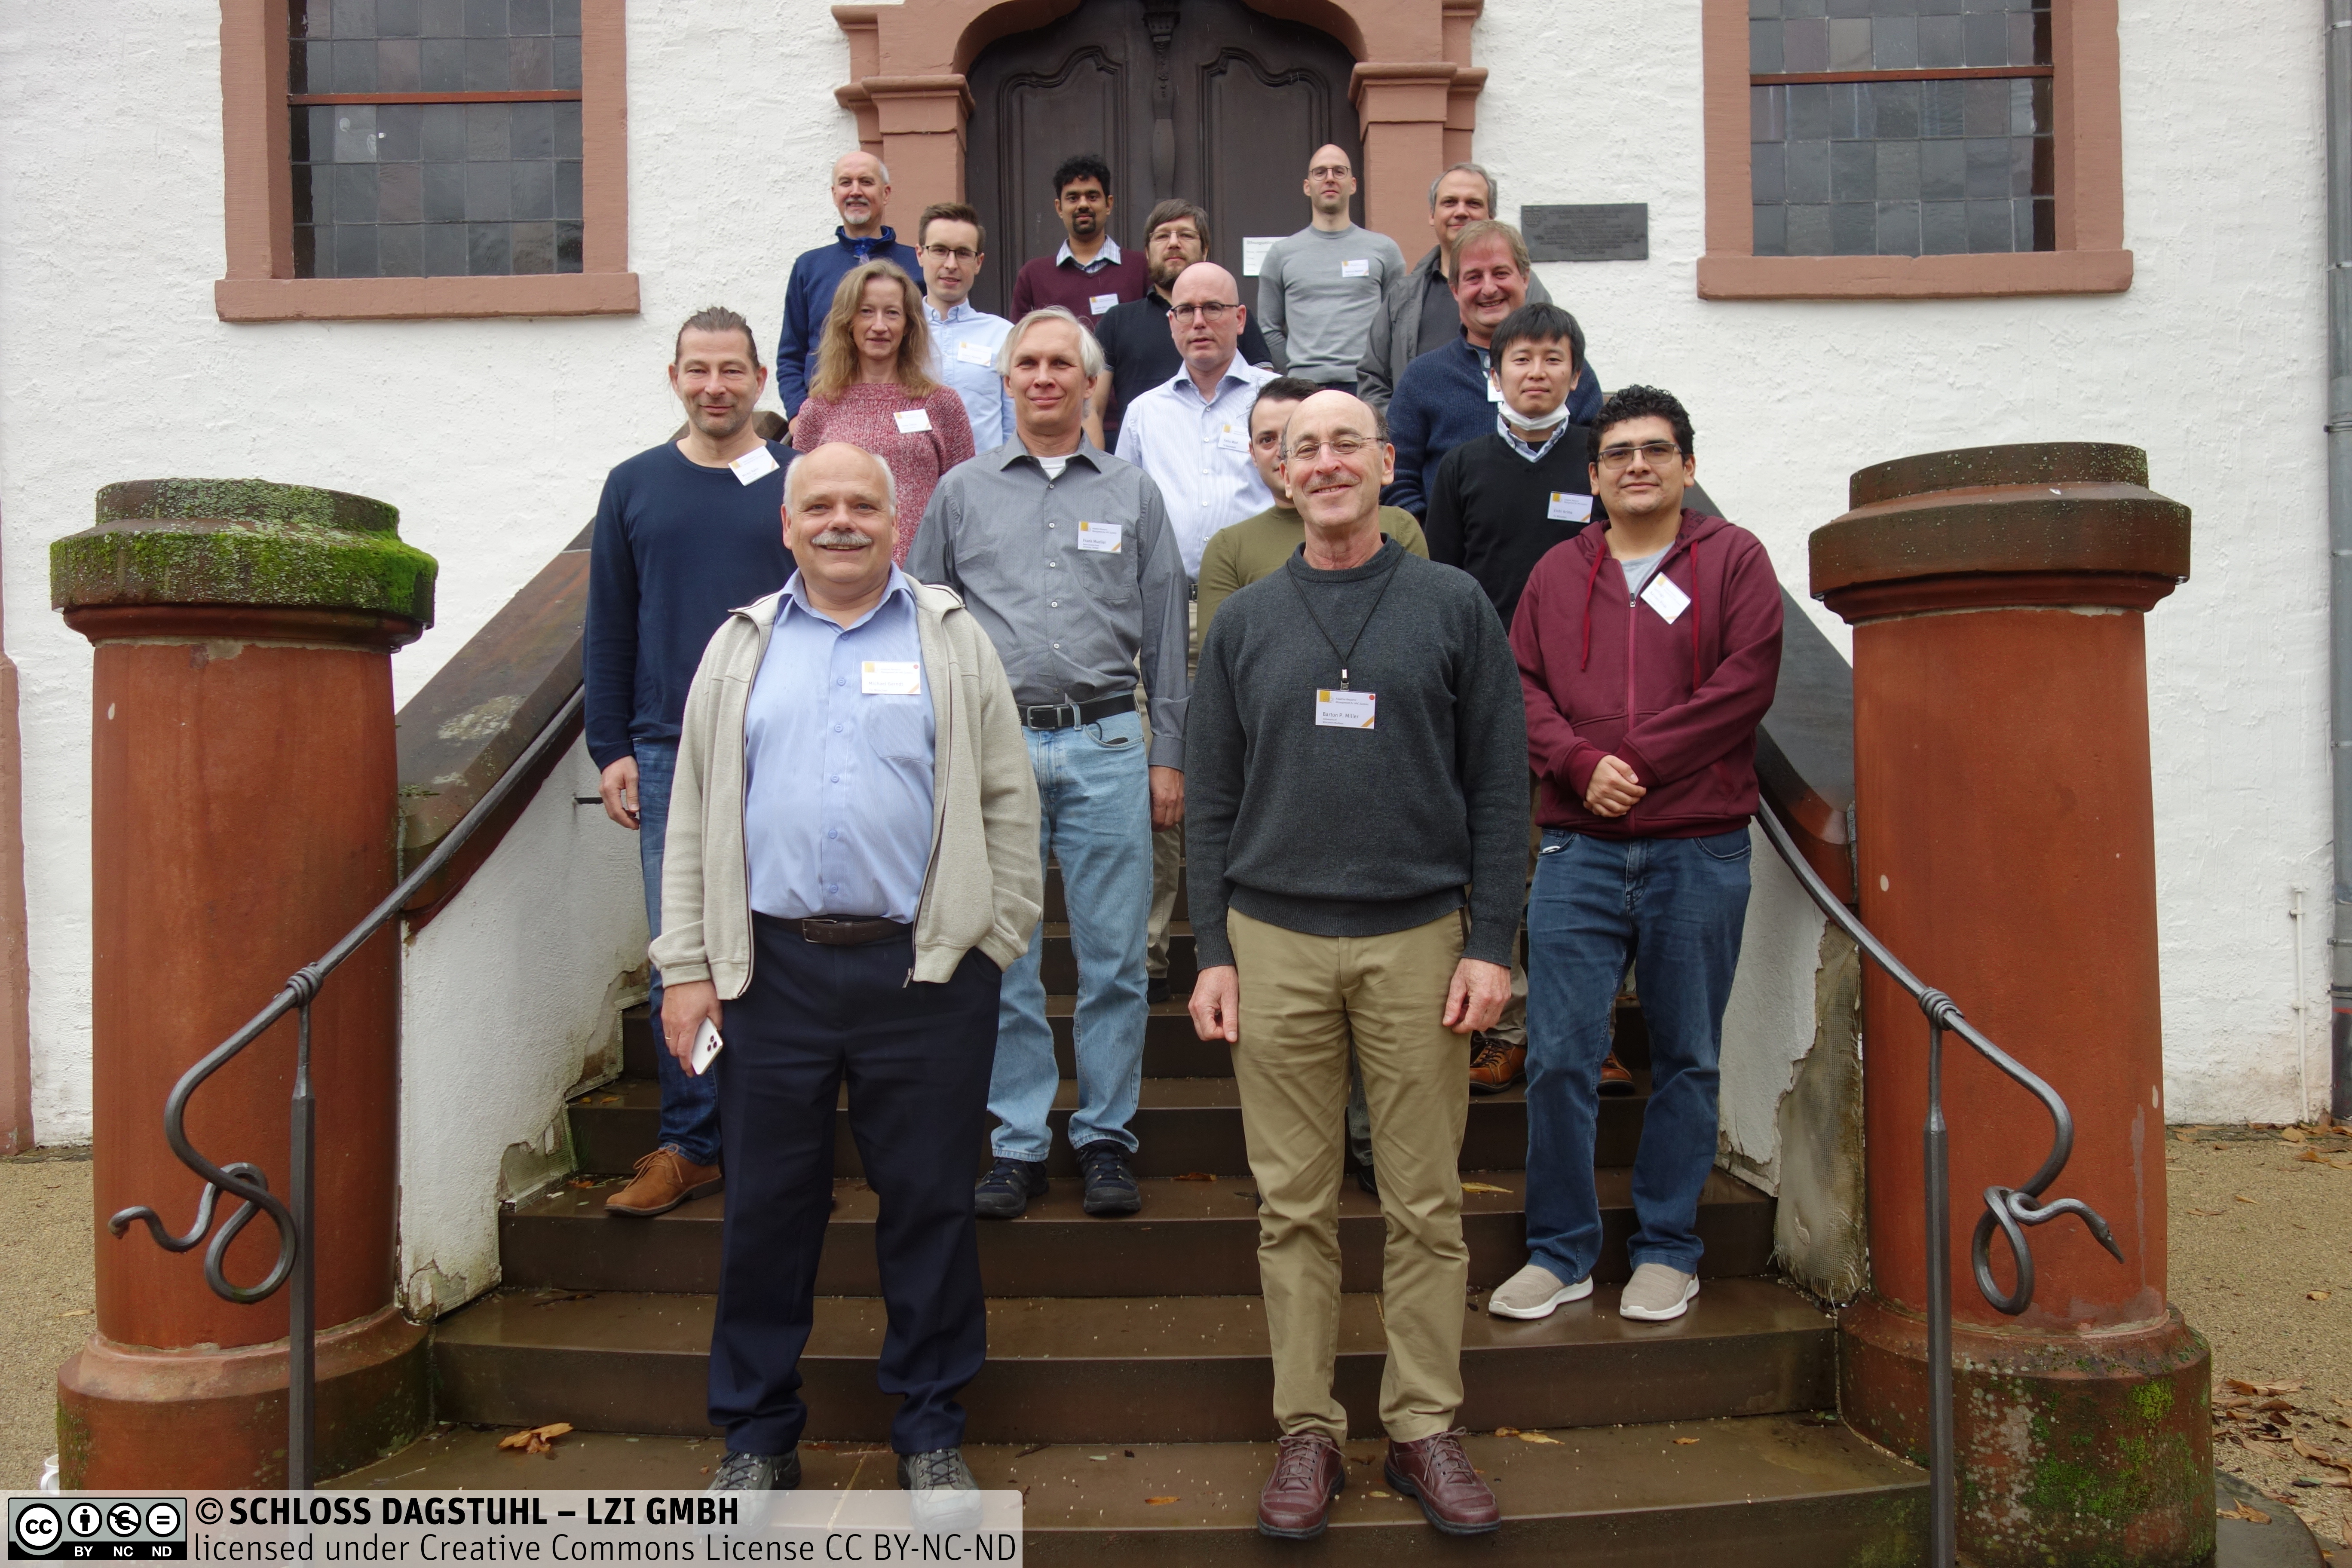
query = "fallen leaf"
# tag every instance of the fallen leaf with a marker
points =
(2314, 1295)
(2205, 1214)
(1129, 1452)
(2242, 1387)
(1483, 1187)
(1513, 1431)
(77, 1312)
(1537, 1437)
(1196, 1176)
(2244, 1199)
(2184, 1137)
(536, 1439)
(2292, 1134)
(1157, 1501)
(2244, 1510)
(2313, 1451)
(1685, 1442)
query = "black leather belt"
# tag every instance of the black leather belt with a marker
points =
(835, 932)
(1070, 715)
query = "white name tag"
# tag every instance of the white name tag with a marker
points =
(1567, 507)
(754, 465)
(1100, 536)
(891, 677)
(1663, 596)
(1101, 304)
(1494, 392)
(1232, 440)
(1344, 709)
(970, 353)
(1355, 269)
(913, 421)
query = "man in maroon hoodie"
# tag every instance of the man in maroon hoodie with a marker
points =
(1649, 645)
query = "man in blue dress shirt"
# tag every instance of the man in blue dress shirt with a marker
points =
(954, 247)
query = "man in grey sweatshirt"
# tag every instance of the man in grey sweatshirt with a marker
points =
(1357, 809)
(1319, 289)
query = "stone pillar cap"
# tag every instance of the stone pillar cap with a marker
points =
(244, 543)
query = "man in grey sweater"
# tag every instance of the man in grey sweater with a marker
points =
(1319, 289)
(1357, 810)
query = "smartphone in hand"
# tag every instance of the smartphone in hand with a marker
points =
(707, 1045)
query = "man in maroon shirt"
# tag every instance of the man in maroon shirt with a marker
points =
(1090, 274)
(1649, 647)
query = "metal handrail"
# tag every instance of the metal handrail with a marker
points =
(2009, 1208)
(295, 1218)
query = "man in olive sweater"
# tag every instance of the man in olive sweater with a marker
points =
(1367, 768)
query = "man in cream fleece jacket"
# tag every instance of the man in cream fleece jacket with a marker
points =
(852, 864)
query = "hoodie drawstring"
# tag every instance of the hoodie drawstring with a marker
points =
(1601, 554)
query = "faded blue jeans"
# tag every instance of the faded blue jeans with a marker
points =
(689, 1105)
(1094, 798)
(1677, 907)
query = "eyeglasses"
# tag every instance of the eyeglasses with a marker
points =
(1211, 313)
(1344, 447)
(941, 253)
(1654, 453)
(1329, 172)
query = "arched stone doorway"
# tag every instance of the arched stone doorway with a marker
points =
(1207, 100)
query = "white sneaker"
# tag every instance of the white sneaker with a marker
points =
(1657, 1293)
(1533, 1292)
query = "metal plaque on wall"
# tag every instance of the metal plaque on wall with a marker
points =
(1606, 231)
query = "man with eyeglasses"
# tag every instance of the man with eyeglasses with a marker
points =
(1354, 762)
(953, 245)
(1319, 289)
(1648, 648)
(861, 194)
(1422, 315)
(1135, 336)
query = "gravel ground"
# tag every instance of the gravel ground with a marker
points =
(46, 1298)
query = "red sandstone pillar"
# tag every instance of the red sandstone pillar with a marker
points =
(2005, 830)
(243, 817)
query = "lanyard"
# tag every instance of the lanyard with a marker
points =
(1308, 605)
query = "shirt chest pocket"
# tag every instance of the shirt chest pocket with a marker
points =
(898, 728)
(1104, 571)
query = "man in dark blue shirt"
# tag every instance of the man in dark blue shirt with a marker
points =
(684, 533)
(861, 194)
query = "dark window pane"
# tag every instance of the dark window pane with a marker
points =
(1987, 112)
(1849, 111)
(2041, 54)
(397, 65)
(355, 18)
(1893, 8)
(1987, 37)
(529, 17)
(1898, 228)
(1939, 7)
(1942, 108)
(298, 134)
(1764, 46)
(445, 133)
(532, 131)
(534, 192)
(567, 18)
(444, 18)
(1809, 171)
(1939, 40)
(1805, 46)
(1943, 228)
(354, 132)
(1768, 171)
(2020, 165)
(1943, 170)
(2046, 175)
(399, 132)
(398, 18)
(486, 131)
(1852, 171)
(1760, 10)
(304, 16)
(1773, 231)
(1988, 167)
(489, 250)
(1895, 110)
(2044, 119)
(567, 190)
(400, 251)
(534, 247)
(486, 19)
(400, 193)
(486, 65)
(567, 131)
(567, 64)
(297, 67)
(354, 67)
(1990, 225)
(445, 250)
(1849, 46)
(445, 193)
(1849, 7)
(306, 251)
(567, 247)
(354, 194)
(1853, 230)
(530, 63)
(1894, 43)
(1898, 171)
(306, 204)
(490, 193)
(1768, 114)
(1809, 231)
(442, 64)
(1809, 112)
(354, 250)
(2045, 224)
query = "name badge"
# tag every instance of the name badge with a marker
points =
(1232, 440)
(1344, 709)
(891, 677)
(1567, 507)
(1103, 536)
(970, 353)
(1663, 596)
(754, 465)
(1355, 269)
(1101, 304)
(1494, 391)
(913, 421)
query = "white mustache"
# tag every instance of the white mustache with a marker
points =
(840, 537)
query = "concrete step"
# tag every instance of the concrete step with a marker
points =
(1193, 1239)
(1182, 1125)
(1761, 1491)
(1163, 1370)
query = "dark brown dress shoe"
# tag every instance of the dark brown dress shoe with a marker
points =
(1307, 1473)
(1436, 1471)
(1615, 1080)
(1496, 1065)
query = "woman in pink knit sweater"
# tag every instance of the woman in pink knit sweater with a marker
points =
(871, 390)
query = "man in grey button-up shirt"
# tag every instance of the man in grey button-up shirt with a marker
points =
(1066, 555)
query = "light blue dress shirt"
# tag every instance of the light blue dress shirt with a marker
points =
(966, 342)
(836, 778)
(1197, 451)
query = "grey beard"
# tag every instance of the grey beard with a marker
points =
(843, 537)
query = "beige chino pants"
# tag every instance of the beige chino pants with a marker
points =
(1301, 998)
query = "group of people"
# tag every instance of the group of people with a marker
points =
(1371, 611)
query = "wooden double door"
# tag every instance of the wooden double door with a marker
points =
(1207, 100)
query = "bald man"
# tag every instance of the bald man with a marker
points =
(1319, 289)
(861, 194)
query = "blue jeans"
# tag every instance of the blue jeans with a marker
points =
(689, 1105)
(1677, 907)
(1094, 796)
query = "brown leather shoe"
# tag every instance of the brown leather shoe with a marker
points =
(665, 1179)
(1437, 1472)
(1615, 1080)
(1496, 1065)
(1307, 1473)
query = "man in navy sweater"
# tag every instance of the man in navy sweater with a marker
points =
(684, 533)
(861, 194)
(1446, 396)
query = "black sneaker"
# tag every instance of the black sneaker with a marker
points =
(1110, 1178)
(758, 1473)
(1004, 1193)
(1155, 989)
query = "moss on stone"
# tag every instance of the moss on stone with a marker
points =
(260, 502)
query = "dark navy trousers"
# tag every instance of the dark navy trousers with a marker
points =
(916, 1059)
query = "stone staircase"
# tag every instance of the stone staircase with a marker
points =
(1128, 1363)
